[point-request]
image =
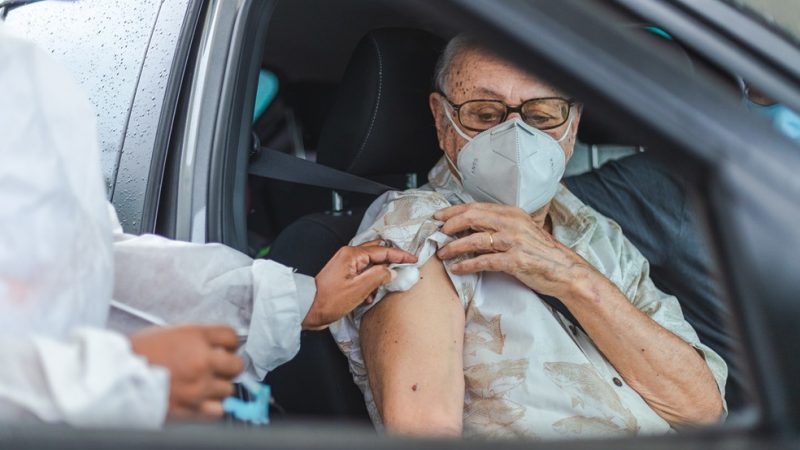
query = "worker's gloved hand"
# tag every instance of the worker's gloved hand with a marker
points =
(351, 276)
(202, 362)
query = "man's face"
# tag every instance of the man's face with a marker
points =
(479, 75)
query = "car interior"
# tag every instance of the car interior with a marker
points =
(359, 104)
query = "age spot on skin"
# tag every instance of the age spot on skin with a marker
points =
(414, 387)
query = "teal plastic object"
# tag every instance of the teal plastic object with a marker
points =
(267, 88)
(659, 32)
(256, 411)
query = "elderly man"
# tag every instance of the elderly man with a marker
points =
(473, 346)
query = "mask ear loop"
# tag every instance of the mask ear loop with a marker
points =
(566, 131)
(453, 123)
(453, 165)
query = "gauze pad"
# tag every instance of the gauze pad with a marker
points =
(407, 277)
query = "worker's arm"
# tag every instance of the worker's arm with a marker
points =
(159, 281)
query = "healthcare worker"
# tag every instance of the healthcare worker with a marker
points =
(62, 254)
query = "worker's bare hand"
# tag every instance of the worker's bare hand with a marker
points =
(349, 278)
(202, 362)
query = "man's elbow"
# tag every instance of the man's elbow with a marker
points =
(697, 413)
(710, 414)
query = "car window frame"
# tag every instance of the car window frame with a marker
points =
(227, 215)
(196, 128)
(206, 200)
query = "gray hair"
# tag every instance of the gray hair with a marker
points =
(455, 47)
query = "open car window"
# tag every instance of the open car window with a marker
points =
(299, 115)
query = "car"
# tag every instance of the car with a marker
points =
(175, 83)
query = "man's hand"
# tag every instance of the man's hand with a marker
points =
(349, 278)
(506, 239)
(202, 362)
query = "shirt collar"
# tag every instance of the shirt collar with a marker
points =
(442, 180)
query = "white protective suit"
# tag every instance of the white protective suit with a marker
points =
(61, 253)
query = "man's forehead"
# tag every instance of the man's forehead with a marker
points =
(488, 76)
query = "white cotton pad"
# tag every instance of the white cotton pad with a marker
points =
(407, 277)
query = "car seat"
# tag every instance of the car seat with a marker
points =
(380, 128)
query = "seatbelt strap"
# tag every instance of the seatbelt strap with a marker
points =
(281, 166)
(558, 306)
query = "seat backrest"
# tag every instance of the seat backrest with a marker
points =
(379, 126)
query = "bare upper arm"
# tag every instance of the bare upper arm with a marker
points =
(412, 344)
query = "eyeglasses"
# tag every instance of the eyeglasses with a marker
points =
(543, 113)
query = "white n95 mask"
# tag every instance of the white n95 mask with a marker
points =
(511, 163)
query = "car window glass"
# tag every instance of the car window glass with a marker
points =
(103, 43)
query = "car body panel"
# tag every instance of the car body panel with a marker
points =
(198, 134)
(123, 54)
(143, 155)
(103, 43)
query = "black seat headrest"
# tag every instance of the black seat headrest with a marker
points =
(380, 122)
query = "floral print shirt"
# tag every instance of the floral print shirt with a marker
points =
(529, 372)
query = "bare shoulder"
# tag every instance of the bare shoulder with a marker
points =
(433, 291)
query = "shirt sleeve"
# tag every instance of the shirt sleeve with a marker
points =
(90, 379)
(664, 309)
(159, 281)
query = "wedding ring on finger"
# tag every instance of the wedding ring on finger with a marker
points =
(491, 241)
